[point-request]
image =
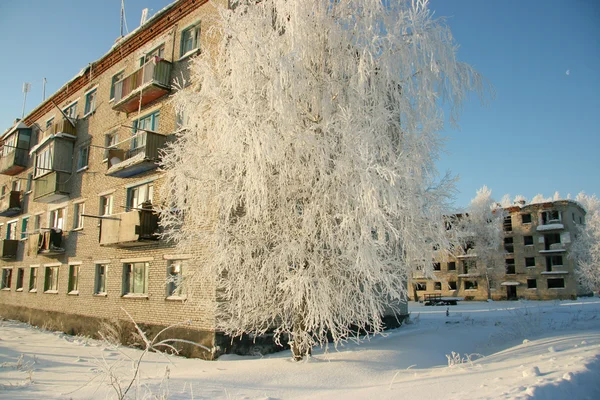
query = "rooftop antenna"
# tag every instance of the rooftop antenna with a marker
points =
(123, 19)
(144, 16)
(44, 89)
(26, 89)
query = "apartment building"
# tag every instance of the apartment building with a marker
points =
(537, 241)
(79, 243)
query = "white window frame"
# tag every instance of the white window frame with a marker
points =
(11, 234)
(83, 158)
(100, 278)
(73, 283)
(175, 270)
(51, 274)
(111, 139)
(137, 195)
(71, 106)
(44, 160)
(6, 282)
(195, 40)
(53, 218)
(130, 289)
(78, 218)
(90, 105)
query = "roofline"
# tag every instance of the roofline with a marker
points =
(159, 23)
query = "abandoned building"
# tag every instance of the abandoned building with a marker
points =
(536, 244)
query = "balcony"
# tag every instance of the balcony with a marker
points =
(49, 243)
(125, 163)
(62, 126)
(130, 229)
(14, 161)
(52, 187)
(8, 248)
(554, 248)
(145, 85)
(550, 226)
(10, 204)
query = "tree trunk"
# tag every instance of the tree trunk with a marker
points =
(299, 347)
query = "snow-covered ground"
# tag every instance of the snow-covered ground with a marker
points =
(496, 350)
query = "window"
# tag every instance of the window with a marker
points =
(138, 195)
(37, 223)
(11, 230)
(553, 261)
(190, 39)
(530, 262)
(550, 217)
(157, 52)
(20, 275)
(110, 140)
(507, 225)
(83, 157)
(508, 245)
(6, 278)
(106, 205)
(437, 285)
(420, 286)
(175, 278)
(33, 273)
(528, 240)
(16, 185)
(79, 209)
(51, 279)
(29, 182)
(551, 239)
(469, 265)
(531, 284)
(116, 78)
(71, 110)
(452, 285)
(43, 160)
(526, 218)
(510, 266)
(49, 123)
(452, 266)
(100, 281)
(90, 102)
(73, 279)
(470, 285)
(140, 126)
(437, 267)
(135, 278)
(57, 218)
(556, 283)
(24, 223)
(182, 119)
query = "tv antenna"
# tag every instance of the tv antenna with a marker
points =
(123, 19)
(26, 89)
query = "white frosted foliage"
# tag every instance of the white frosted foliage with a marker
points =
(586, 247)
(306, 167)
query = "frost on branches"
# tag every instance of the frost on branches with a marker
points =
(586, 248)
(306, 168)
(480, 229)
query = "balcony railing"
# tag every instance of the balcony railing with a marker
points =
(10, 204)
(52, 187)
(129, 229)
(144, 85)
(554, 248)
(8, 248)
(124, 163)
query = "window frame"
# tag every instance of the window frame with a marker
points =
(73, 284)
(100, 279)
(71, 108)
(194, 40)
(83, 158)
(90, 101)
(174, 282)
(6, 280)
(11, 234)
(51, 274)
(33, 277)
(78, 218)
(119, 76)
(555, 281)
(131, 196)
(129, 284)
(24, 225)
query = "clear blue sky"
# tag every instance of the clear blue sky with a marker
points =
(541, 133)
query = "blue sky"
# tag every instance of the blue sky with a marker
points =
(539, 135)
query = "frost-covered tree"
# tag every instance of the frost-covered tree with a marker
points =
(586, 248)
(481, 228)
(307, 164)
